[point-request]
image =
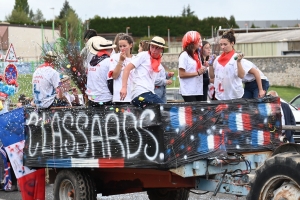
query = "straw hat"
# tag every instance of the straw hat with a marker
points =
(49, 55)
(99, 43)
(158, 41)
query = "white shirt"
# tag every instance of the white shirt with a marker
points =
(69, 97)
(227, 83)
(250, 77)
(97, 89)
(45, 80)
(118, 81)
(143, 76)
(193, 85)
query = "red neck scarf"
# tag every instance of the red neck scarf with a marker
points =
(196, 58)
(102, 52)
(47, 64)
(225, 57)
(155, 62)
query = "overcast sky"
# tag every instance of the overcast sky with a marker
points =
(240, 9)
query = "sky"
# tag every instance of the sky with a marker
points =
(240, 9)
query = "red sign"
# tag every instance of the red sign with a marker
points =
(10, 73)
(11, 54)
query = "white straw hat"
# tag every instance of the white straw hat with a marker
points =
(99, 43)
(158, 41)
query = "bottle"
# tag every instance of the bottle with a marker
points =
(211, 60)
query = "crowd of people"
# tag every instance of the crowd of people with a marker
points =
(115, 76)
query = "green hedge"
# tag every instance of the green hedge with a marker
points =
(159, 25)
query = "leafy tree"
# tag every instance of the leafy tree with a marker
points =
(18, 17)
(186, 12)
(253, 26)
(64, 11)
(232, 22)
(38, 17)
(31, 15)
(274, 26)
(189, 13)
(183, 14)
(21, 5)
(74, 24)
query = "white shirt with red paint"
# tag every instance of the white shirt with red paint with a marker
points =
(45, 80)
(227, 83)
(97, 89)
(114, 59)
(143, 76)
(190, 86)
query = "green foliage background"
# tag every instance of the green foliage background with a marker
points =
(159, 25)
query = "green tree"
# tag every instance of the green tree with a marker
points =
(64, 11)
(274, 26)
(232, 22)
(31, 15)
(38, 17)
(189, 13)
(183, 14)
(186, 12)
(21, 6)
(253, 26)
(19, 17)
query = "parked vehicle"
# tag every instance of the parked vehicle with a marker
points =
(173, 95)
(296, 113)
(296, 101)
(165, 149)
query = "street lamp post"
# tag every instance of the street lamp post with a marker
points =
(127, 29)
(53, 23)
(148, 31)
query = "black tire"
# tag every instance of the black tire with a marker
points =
(275, 171)
(168, 194)
(77, 182)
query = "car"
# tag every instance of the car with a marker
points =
(296, 101)
(173, 95)
(296, 113)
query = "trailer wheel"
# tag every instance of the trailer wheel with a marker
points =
(168, 194)
(277, 177)
(74, 185)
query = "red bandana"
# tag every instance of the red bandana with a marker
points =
(102, 52)
(224, 58)
(46, 64)
(196, 58)
(155, 62)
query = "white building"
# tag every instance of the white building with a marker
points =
(27, 40)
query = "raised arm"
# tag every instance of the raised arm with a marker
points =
(240, 70)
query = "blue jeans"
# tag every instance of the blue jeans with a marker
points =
(145, 99)
(251, 89)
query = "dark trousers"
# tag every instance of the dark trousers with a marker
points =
(251, 89)
(145, 99)
(192, 98)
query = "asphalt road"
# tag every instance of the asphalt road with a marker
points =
(133, 196)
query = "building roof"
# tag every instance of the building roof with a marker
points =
(268, 36)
